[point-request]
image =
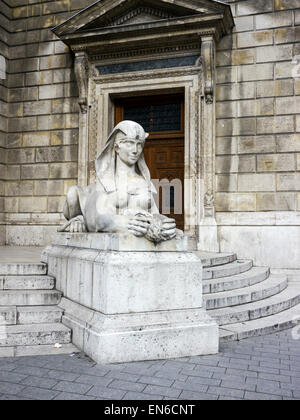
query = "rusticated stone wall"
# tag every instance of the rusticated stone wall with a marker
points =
(4, 50)
(43, 120)
(258, 128)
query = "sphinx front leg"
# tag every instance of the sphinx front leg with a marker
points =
(72, 212)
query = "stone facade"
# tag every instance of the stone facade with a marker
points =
(41, 133)
(258, 137)
(3, 114)
(257, 129)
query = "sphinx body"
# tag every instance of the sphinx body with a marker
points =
(122, 199)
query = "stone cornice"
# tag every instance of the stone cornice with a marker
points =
(198, 24)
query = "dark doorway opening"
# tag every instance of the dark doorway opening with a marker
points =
(163, 118)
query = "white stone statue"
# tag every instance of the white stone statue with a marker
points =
(122, 200)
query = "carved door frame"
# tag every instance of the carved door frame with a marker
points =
(97, 120)
(99, 36)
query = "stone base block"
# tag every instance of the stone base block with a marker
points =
(125, 303)
(144, 336)
(113, 282)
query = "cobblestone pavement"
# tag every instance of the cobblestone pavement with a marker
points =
(257, 368)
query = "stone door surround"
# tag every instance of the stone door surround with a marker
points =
(137, 48)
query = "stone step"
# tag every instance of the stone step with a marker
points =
(13, 315)
(230, 269)
(212, 259)
(260, 309)
(34, 334)
(22, 269)
(39, 350)
(268, 325)
(253, 276)
(29, 297)
(38, 314)
(27, 283)
(273, 285)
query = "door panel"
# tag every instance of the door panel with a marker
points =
(163, 118)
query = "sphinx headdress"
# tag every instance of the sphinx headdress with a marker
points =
(106, 162)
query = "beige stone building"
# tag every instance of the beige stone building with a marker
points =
(227, 74)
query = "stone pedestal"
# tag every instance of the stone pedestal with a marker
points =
(126, 305)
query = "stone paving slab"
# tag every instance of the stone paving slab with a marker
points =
(260, 368)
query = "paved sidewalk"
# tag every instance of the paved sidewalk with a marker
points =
(257, 368)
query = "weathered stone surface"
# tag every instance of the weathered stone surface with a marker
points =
(274, 20)
(235, 202)
(272, 239)
(118, 242)
(276, 201)
(255, 72)
(49, 188)
(275, 88)
(250, 7)
(249, 39)
(17, 188)
(288, 181)
(63, 170)
(235, 91)
(275, 162)
(285, 35)
(33, 204)
(226, 183)
(36, 171)
(288, 143)
(271, 125)
(226, 145)
(256, 182)
(37, 108)
(274, 53)
(36, 139)
(228, 164)
(144, 310)
(244, 23)
(286, 4)
(259, 24)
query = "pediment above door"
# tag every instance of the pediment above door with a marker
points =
(128, 19)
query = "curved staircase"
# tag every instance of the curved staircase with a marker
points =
(245, 301)
(248, 301)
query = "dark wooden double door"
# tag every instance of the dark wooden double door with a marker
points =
(163, 118)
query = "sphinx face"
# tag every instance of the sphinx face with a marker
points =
(129, 150)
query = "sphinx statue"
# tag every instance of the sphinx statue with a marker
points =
(122, 199)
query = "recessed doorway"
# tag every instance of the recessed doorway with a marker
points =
(163, 118)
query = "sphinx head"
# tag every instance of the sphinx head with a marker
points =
(129, 141)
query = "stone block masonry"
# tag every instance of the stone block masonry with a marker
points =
(38, 120)
(258, 107)
(4, 53)
(258, 117)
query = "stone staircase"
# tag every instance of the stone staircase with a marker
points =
(248, 301)
(30, 320)
(245, 301)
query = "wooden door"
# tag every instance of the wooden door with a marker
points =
(163, 118)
